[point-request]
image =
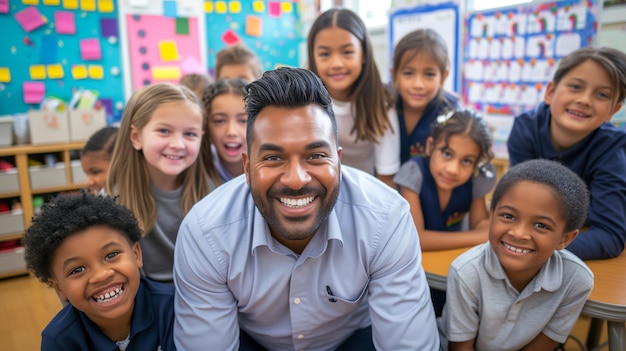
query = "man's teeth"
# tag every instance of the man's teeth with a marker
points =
(296, 203)
(515, 249)
(109, 295)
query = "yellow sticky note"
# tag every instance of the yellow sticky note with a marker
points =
(220, 7)
(70, 4)
(234, 7)
(88, 5)
(5, 75)
(37, 72)
(30, 2)
(168, 50)
(286, 7)
(95, 71)
(106, 6)
(79, 72)
(258, 6)
(55, 71)
(52, 2)
(208, 6)
(166, 73)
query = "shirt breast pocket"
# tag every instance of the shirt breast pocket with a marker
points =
(342, 302)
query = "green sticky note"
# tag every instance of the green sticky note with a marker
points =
(182, 25)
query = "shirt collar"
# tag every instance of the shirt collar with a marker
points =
(549, 278)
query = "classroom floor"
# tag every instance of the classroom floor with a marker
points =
(26, 307)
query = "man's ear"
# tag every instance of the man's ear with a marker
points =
(567, 238)
(246, 166)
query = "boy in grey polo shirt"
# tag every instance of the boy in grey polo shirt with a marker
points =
(521, 290)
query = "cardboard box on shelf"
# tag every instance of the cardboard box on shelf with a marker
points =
(85, 122)
(48, 127)
(6, 131)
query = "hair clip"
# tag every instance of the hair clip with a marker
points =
(442, 119)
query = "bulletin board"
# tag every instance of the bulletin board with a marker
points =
(53, 47)
(510, 55)
(272, 29)
(162, 49)
(442, 18)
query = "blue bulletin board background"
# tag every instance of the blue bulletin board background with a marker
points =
(255, 24)
(20, 49)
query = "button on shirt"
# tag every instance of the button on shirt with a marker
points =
(361, 268)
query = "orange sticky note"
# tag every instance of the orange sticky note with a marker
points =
(5, 75)
(168, 50)
(55, 71)
(79, 72)
(95, 71)
(166, 73)
(37, 72)
(254, 26)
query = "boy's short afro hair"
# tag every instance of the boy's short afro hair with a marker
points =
(66, 215)
(571, 191)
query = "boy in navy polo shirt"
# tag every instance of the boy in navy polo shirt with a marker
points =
(87, 248)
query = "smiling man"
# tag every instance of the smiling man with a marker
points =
(300, 252)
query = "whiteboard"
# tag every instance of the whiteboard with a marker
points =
(442, 18)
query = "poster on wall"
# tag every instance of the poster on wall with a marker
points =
(162, 49)
(442, 18)
(272, 29)
(510, 55)
(55, 48)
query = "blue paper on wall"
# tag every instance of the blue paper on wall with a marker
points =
(48, 50)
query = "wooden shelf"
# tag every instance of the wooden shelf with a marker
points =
(21, 153)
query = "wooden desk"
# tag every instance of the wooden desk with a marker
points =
(607, 300)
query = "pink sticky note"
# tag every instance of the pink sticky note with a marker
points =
(273, 8)
(230, 37)
(34, 92)
(4, 6)
(90, 49)
(64, 22)
(30, 18)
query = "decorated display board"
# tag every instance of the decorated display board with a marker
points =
(442, 18)
(510, 55)
(54, 47)
(272, 29)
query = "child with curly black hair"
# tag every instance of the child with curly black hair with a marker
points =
(87, 248)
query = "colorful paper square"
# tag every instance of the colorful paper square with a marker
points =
(258, 6)
(64, 22)
(55, 71)
(286, 7)
(30, 19)
(230, 37)
(182, 26)
(52, 2)
(254, 26)
(79, 72)
(49, 48)
(30, 2)
(208, 6)
(88, 5)
(108, 27)
(220, 7)
(273, 8)
(234, 7)
(166, 73)
(106, 6)
(5, 75)
(170, 9)
(34, 92)
(95, 71)
(70, 4)
(37, 72)
(168, 51)
(4, 6)
(90, 49)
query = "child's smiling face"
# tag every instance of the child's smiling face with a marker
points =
(97, 271)
(526, 228)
